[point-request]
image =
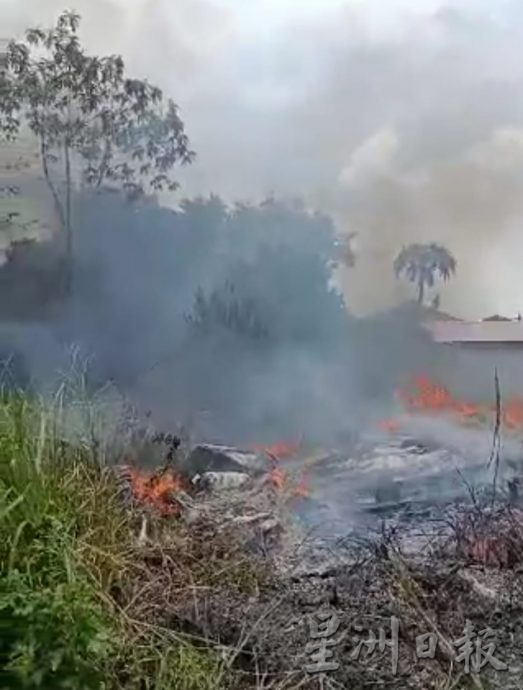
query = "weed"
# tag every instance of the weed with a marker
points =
(66, 557)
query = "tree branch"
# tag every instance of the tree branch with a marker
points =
(56, 197)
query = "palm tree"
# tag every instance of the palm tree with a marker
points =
(422, 263)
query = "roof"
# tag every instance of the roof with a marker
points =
(497, 317)
(437, 315)
(476, 331)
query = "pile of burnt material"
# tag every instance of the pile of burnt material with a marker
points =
(277, 576)
(214, 487)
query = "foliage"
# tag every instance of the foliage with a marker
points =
(225, 310)
(65, 551)
(12, 220)
(88, 117)
(146, 272)
(254, 283)
(422, 263)
(274, 283)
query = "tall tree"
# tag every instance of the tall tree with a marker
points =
(422, 264)
(94, 125)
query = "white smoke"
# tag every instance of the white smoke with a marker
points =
(404, 118)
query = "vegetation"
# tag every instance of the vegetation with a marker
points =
(7, 216)
(75, 587)
(87, 606)
(224, 310)
(208, 296)
(93, 124)
(219, 301)
(422, 264)
(266, 266)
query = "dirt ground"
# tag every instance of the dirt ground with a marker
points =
(239, 574)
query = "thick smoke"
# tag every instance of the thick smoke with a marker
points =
(219, 318)
(223, 318)
(402, 118)
(402, 122)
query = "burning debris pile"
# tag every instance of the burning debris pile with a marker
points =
(156, 490)
(222, 485)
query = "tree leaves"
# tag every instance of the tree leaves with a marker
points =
(117, 129)
(421, 263)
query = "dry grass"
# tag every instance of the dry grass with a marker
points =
(198, 602)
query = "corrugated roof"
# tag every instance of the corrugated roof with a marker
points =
(476, 331)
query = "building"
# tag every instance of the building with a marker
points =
(472, 352)
(488, 333)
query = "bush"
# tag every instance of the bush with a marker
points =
(66, 557)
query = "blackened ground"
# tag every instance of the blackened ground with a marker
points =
(244, 571)
(264, 623)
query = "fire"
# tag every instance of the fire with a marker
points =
(390, 425)
(513, 414)
(278, 478)
(280, 481)
(303, 489)
(156, 489)
(281, 450)
(427, 395)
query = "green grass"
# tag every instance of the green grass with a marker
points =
(66, 551)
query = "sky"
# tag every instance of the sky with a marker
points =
(401, 118)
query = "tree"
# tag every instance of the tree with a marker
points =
(11, 221)
(227, 311)
(94, 125)
(422, 263)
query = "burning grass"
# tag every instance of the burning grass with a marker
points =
(155, 489)
(426, 395)
(90, 599)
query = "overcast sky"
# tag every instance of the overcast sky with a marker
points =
(404, 118)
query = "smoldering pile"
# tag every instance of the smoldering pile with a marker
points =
(216, 486)
(410, 482)
(228, 502)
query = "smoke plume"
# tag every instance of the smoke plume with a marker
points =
(404, 119)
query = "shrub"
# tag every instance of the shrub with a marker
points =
(66, 560)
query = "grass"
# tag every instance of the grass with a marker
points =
(86, 605)
(67, 559)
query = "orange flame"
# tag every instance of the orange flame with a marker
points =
(280, 482)
(389, 425)
(278, 478)
(303, 489)
(281, 450)
(427, 395)
(156, 489)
